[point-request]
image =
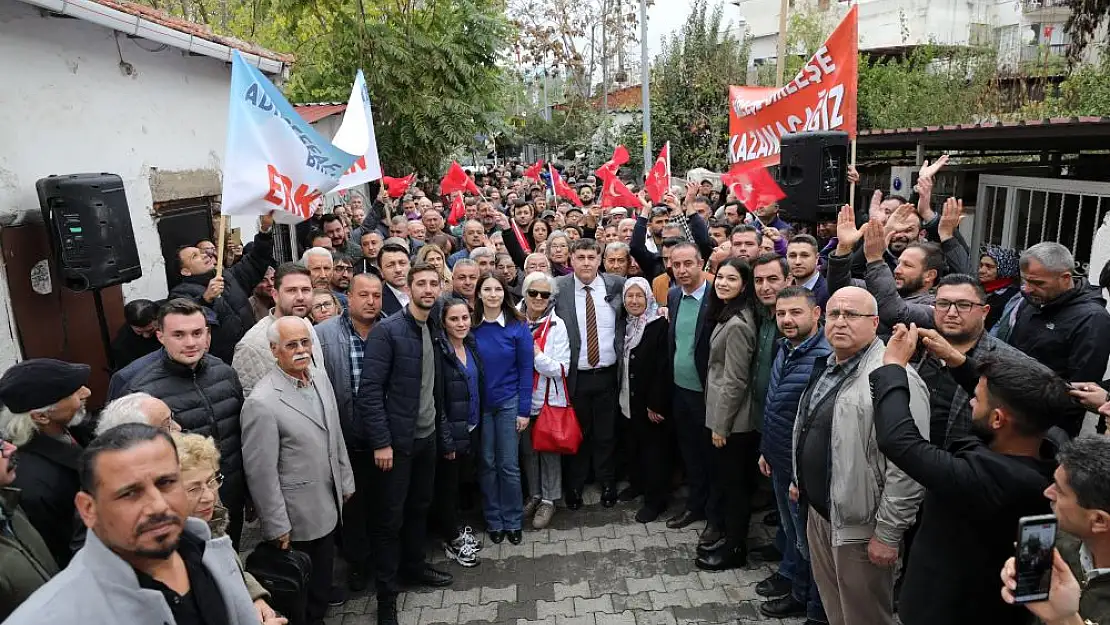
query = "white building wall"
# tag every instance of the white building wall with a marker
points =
(68, 107)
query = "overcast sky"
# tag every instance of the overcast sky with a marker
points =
(667, 16)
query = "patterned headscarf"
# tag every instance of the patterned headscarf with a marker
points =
(634, 328)
(1006, 258)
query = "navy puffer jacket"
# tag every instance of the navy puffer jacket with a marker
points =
(453, 394)
(790, 376)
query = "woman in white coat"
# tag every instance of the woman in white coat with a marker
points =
(544, 471)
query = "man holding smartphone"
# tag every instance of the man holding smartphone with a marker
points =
(979, 486)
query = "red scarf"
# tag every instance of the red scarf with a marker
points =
(997, 285)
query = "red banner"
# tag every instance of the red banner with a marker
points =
(821, 97)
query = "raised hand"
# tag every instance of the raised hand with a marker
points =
(847, 234)
(874, 240)
(901, 346)
(950, 218)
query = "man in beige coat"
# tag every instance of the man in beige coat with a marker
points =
(295, 457)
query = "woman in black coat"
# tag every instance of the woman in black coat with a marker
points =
(645, 397)
(458, 398)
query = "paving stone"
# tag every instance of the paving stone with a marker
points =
(699, 614)
(336, 619)
(360, 619)
(558, 548)
(433, 599)
(624, 542)
(637, 585)
(585, 619)
(634, 529)
(509, 612)
(745, 610)
(498, 594)
(678, 582)
(610, 581)
(621, 618)
(736, 594)
(537, 536)
(603, 603)
(583, 546)
(485, 612)
(354, 605)
(680, 538)
(660, 617)
(573, 533)
(660, 600)
(702, 597)
(459, 597)
(408, 617)
(523, 550)
(709, 579)
(439, 615)
(563, 607)
(638, 601)
(651, 540)
(535, 592)
(562, 591)
(604, 531)
(546, 621)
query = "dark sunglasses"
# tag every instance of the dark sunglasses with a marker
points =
(539, 294)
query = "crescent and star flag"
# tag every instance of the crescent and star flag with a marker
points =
(561, 188)
(534, 171)
(358, 121)
(457, 180)
(614, 194)
(659, 178)
(613, 165)
(821, 97)
(458, 209)
(396, 187)
(754, 187)
(275, 159)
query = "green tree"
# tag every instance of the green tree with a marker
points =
(1084, 22)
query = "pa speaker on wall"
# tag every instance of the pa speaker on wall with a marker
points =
(813, 172)
(89, 226)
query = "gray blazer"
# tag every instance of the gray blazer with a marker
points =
(335, 342)
(98, 587)
(728, 398)
(564, 307)
(297, 466)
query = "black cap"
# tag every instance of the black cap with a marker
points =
(39, 382)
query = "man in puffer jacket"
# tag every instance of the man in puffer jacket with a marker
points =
(202, 391)
(228, 296)
(790, 590)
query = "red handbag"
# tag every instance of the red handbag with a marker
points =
(556, 430)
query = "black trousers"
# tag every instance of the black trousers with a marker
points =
(400, 500)
(355, 536)
(322, 553)
(653, 462)
(595, 402)
(233, 495)
(737, 482)
(445, 508)
(695, 445)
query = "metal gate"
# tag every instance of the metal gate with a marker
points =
(1018, 212)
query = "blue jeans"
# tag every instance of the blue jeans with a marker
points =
(795, 553)
(499, 469)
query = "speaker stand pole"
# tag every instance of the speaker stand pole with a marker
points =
(852, 188)
(105, 335)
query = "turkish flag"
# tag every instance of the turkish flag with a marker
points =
(610, 169)
(396, 187)
(562, 189)
(534, 171)
(457, 180)
(754, 187)
(458, 209)
(659, 178)
(615, 194)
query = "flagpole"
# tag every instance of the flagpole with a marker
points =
(293, 243)
(852, 187)
(220, 249)
(669, 175)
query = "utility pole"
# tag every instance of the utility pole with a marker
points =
(784, 9)
(604, 58)
(645, 82)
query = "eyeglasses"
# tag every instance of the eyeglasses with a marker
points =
(963, 306)
(323, 306)
(343, 269)
(213, 484)
(539, 294)
(847, 315)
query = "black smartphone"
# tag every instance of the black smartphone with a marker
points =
(1035, 543)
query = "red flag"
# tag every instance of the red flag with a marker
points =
(562, 189)
(610, 169)
(458, 209)
(754, 187)
(520, 238)
(534, 171)
(396, 187)
(659, 178)
(615, 194)
(457, 180)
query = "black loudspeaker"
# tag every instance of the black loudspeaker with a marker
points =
(90, 230)
(813, 172)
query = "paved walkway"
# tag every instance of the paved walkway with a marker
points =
(596, 566)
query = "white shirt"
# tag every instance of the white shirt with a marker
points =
(606, 324)
(809, 284)
(699, 292)
(401, 295)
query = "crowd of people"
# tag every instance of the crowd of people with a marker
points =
(897, 407)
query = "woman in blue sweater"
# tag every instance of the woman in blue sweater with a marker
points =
(505, 348)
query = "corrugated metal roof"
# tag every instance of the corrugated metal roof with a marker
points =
(315, 111)
(1058, 133)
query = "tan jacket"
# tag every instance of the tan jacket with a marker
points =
(728, 400)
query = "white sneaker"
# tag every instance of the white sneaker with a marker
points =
(467, 535)
(462, 552)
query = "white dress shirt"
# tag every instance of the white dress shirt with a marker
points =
(401, 295)
(606, 324)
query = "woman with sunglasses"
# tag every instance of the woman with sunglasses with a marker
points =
(728, 408)
(200, 465)
(645, 397)
(544, 470)
(505, 349)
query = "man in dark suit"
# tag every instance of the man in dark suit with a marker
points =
(591, 305)
(689, 346)
(393, 260)
(802, 255)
